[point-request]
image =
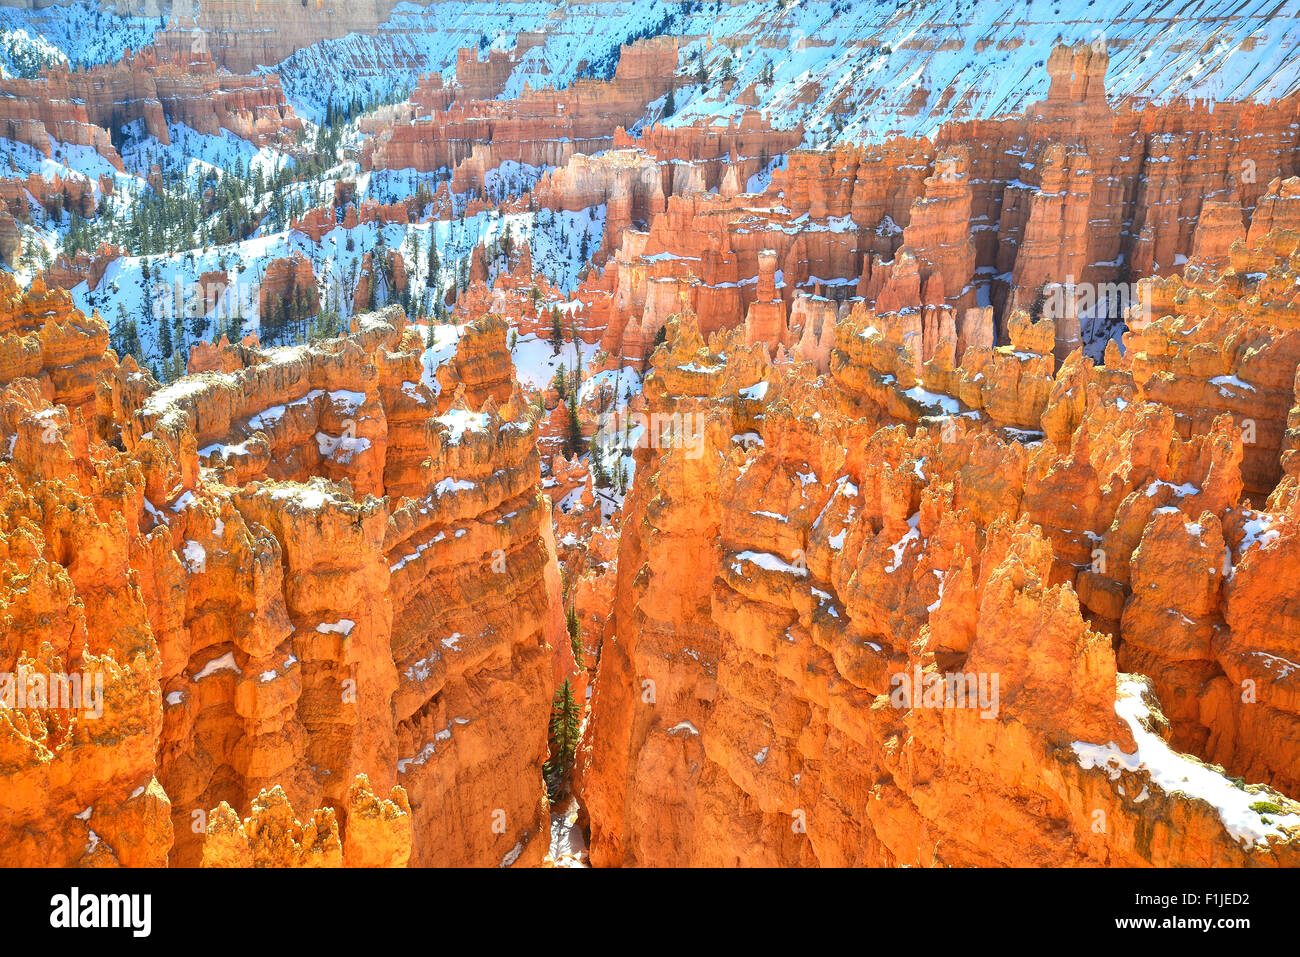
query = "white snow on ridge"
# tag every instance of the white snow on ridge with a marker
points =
(196, 557)
(460, 421)
(1174, 772)
(991, 53)
(224, 662)
(767, 561)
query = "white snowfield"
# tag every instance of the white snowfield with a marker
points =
(990, 52)
(1176, 773)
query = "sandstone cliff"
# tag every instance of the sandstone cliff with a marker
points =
(283, 574)
(747, 706)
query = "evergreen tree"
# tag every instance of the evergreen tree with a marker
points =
(164, 338)
(557, 331)
(575, 425)
(325, 325)
(434, 264)
(565, 724)
(600, 475)
(574, 625)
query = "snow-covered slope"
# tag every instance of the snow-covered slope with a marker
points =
(79, 33)
(125, 294)
(847, 70)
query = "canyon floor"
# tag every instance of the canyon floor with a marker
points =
(650, 434)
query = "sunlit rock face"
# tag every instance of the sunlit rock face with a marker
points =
(951, 512)
(800, 602)
(283, 574)
(886, 517)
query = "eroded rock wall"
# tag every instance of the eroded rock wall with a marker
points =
(285, 573)
(775, 593)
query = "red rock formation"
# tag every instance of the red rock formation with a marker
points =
(392, 281)
(1067, 204)
(84, 267)
(771, 610)
(1125, 480)
(702, 253)
(244, 35)
(716, 150)
(288, 292)
(79, 108)
(475, 79)
(11, 240)
(265, 627)
(1226, 340)
(45, 339)
(378, 833)
(55, 195)
(540, 128)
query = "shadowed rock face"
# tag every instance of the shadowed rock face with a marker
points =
(540, 128)
(297, 572)
(246, 34)
(80, 108)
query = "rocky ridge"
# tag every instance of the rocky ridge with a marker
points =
(291, 571)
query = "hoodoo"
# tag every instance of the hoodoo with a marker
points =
(619, 434)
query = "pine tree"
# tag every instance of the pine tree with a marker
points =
(574, 625)
(599, 473)
(557, 331)
(575, 426)
(565, 724)
(164, 338)
(434, 265)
